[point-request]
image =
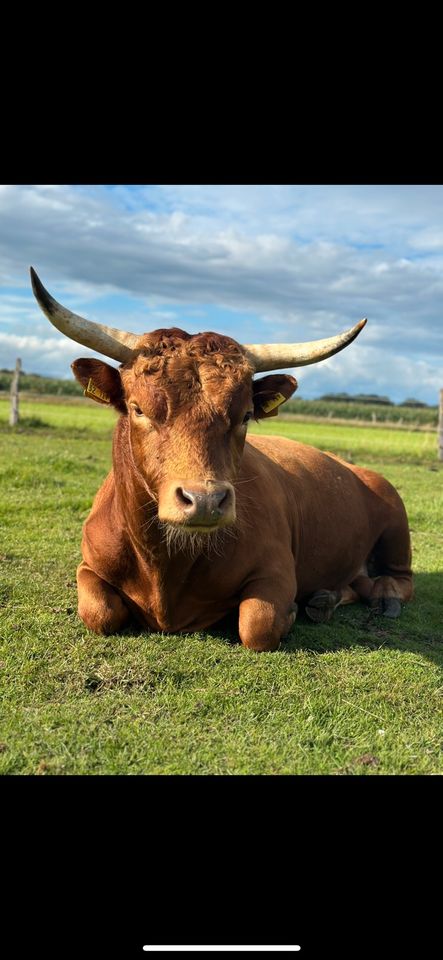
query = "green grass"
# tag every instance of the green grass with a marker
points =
(358, 696)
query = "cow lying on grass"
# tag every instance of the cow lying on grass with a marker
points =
(195, 520)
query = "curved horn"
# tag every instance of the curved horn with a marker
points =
(278, 356)
(106, 340)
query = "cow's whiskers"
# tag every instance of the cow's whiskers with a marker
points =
(178, 540)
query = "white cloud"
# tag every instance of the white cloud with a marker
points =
(300, 261)
(363, 370)
(45, 355)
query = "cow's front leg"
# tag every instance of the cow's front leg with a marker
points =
(99, 605)
(266, 614)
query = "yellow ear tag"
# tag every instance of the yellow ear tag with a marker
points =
(273, 402)
(95, 393)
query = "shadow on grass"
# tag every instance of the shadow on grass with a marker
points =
(419, 629)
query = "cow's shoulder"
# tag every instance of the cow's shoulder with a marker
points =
(105, 544)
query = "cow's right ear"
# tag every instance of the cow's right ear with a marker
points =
(270, 392)
(100, 381)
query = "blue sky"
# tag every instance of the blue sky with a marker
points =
(259, 263)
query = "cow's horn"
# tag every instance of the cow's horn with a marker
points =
(278, 356)
(113, 343)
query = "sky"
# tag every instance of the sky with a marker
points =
(260, 263)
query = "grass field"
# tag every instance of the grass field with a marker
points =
(358, 696)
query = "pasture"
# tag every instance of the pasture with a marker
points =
(361, 695)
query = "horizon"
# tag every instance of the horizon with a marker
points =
(258, 263)
(297, 396)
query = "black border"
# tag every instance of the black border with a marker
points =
(97, 866)
(343, 866)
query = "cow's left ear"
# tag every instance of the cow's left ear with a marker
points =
(270, 392)
(101, 382)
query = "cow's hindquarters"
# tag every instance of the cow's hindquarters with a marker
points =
(388, 582)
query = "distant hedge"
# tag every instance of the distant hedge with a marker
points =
(37, 384)
(373, 398)
(352, 410)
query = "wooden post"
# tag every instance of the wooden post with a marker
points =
(440, 428)
(13, 416)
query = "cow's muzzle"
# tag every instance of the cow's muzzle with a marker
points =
(198, 506)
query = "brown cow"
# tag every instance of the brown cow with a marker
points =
(193, 521)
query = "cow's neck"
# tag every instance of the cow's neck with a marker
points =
(158, 579)
(159, 582)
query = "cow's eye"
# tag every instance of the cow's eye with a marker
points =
(138, 412)
(247, 416)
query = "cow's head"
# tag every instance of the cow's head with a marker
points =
(186, 401)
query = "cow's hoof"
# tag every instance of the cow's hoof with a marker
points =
(386, 607)
(290, 622)
(391, 607)
(320, 607)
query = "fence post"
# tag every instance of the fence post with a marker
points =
(440, 428)
(13, 416)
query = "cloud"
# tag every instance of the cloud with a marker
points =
(363, 370)
(289, 262)
(49, 355)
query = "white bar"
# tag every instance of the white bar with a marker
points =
(200, 949)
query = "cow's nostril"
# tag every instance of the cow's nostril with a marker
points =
(184, 498)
